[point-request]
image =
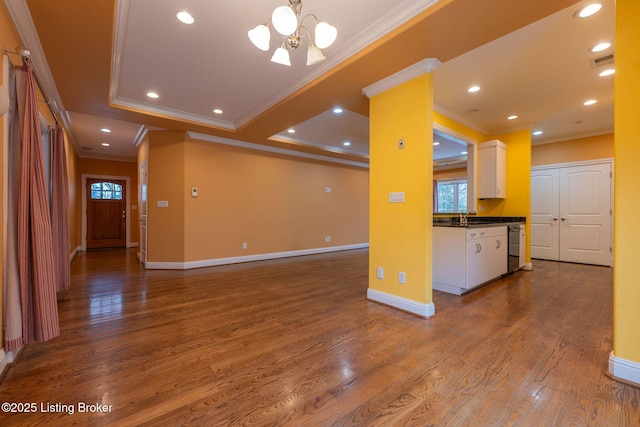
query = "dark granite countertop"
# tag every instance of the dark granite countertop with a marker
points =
(477, 221)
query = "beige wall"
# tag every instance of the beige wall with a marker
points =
(574, 150)
(107, 168)
(165, 235)
(272, 202)
(74, 194)
(457, 173)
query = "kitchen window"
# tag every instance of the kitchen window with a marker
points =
(452, 196)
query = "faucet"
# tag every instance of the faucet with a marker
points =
(463, 218)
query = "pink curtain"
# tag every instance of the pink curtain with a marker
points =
(60, 209)
(36, 265)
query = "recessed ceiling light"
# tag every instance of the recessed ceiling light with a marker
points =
(590, 102)
(337, 110)
(473, 89)
(153, 95)
(217, 111)
(291, 131)
(346, 143)
(512, 117)
(105, 144)
(538, 133)
(105, 130)
(607, 72)
(600, 47)
(185, 17)
(436, 143)
(588, 10)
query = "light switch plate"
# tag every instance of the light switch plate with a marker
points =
(162, 203)
(396, 197)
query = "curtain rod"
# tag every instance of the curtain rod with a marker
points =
(25, 54)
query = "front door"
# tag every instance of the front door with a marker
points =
(106, 213)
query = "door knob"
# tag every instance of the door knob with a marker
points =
(555, 218)
(563, 218)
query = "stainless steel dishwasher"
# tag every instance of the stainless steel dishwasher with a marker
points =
(514, 247)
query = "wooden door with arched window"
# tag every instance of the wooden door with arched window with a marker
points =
(106, 213)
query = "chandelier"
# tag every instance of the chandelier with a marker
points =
(286, 21)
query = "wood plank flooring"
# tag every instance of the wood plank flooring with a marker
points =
(295, 343)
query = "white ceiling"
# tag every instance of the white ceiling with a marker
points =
(541, 72)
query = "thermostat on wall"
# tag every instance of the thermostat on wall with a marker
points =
(194, 192)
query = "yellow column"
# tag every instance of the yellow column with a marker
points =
(625, 360)
(401, 153)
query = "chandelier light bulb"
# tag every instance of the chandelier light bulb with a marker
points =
(314, 55)
(284, 20)
(281, 56)
(325, 34)
(260, 37)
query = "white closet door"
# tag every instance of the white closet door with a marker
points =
(571, 214)
(585, 214)
(545, 214)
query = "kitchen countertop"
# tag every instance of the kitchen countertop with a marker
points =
(477, 221)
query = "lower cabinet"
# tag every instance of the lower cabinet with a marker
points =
(464, 258)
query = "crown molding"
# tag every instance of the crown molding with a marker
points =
(423, 67)
(267, 148)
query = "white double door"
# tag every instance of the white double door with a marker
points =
(571, 213)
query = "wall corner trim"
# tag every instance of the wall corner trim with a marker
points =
(414, 307)
(625, 370)
(150, 265)
(423, 67)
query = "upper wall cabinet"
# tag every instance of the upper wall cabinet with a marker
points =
(492, 170)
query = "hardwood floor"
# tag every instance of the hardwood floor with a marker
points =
(295, 342)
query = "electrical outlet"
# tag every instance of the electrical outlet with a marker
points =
(327, 239)
(244, 245)
(380, 273)
(402, 277)
(327, 189)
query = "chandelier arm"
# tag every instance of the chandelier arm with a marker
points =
(308, 15)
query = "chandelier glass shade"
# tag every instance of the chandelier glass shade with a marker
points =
(288, 24)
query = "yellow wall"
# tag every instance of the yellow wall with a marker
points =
(626, 318)
(272, 202)
(458, 128)
(107, 168)
(574, 150)
(517, 201)
(400, 236)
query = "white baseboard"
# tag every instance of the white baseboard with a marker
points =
(151, 265)
(421, 309)
(623, 369)
(74, 253)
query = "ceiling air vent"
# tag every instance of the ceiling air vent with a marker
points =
(602, 60)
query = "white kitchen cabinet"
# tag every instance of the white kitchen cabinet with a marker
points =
(492, 170)
(464, 258)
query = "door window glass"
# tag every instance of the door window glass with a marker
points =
(106, 191)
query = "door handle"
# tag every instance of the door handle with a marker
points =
(555, 218)
(563, 218)
(498, 244)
